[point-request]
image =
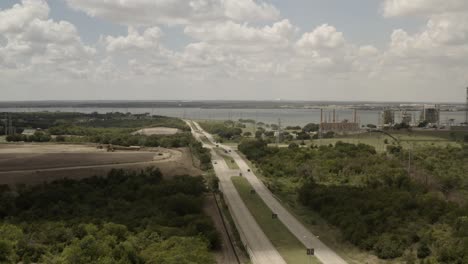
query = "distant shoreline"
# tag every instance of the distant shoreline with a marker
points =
(230, 104)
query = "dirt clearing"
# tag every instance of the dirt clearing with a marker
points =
(36, 163)
(157, 131)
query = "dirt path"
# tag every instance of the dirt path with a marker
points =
(157, 131)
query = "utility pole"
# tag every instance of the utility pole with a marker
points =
(278, 137)
(409, 161)
(6, 124)
(256, 120)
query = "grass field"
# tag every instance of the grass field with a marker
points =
(229, 161)
(317, 225)
(292, 250)
(2, 139)
(381, 141)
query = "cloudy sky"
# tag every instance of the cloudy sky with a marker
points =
(382, 50)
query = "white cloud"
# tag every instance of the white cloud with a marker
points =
(134, 40)
(36, 43)
(17, 17)
(444, 39)
(393, 8)
(368, 51)
(230, 33)
(176, 12)
(324, 36)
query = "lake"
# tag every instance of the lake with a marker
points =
(289, 117)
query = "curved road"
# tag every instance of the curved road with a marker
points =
(258, 245)
(322, 252)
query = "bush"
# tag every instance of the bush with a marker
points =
(389, 247)
(293, 146)
(423, 250)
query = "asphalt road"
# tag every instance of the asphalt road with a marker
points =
(322, 252)
(260, 249)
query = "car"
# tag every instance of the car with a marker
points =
(215, 162)
(248, 170)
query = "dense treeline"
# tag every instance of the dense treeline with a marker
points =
(371, 198)
(222, 130)
(47, 120)
(390, 221)
(36, 137)
(447, 166)
(126, 217)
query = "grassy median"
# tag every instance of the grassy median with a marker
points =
(290, 248)
(229, 160)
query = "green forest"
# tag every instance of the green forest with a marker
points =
(371, 198)
(228, 130)
(126, 217)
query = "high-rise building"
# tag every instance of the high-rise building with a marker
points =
(388, 117)
(431, 114)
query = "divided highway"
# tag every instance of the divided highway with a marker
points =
(322, 252)
(258, 245)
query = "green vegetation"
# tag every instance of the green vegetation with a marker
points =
(38, 136)
(224, 131)
(380, 141)
(286, 243)
(372, 200)
(126, 217)
(47, 120)
(229, 160)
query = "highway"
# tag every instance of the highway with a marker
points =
(322, 252)
(259, 247)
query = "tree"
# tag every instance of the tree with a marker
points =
(311, 127)
(389, 247)
(178, 250)
(303, 136)
(423, 124)
(423, 250)
(293, 146)
(329, 134)
(7, 254)
(258, 134)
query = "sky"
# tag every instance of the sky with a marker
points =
(366, 50)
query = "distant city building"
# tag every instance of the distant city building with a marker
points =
(431, 114)
(334, 125)
(388, 117)
(406, 118)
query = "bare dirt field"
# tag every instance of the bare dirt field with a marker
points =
(36, 163)
(157, 131)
